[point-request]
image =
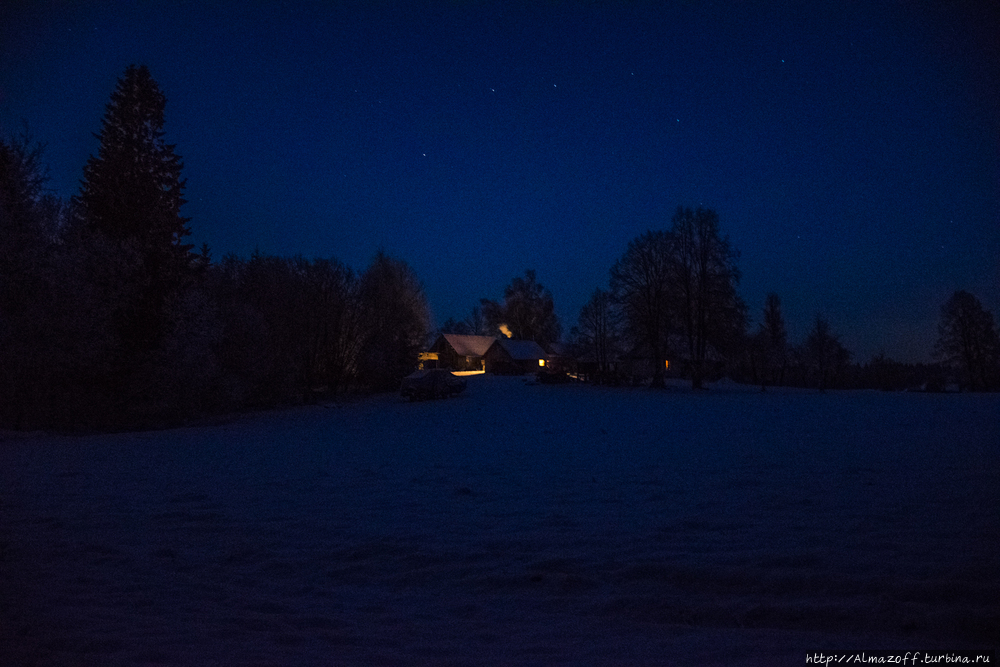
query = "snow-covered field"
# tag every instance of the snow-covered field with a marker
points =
(512, 525)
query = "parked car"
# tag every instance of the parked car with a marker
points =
(431, 383)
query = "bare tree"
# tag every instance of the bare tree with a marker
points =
(641, 286)
(397, 320)
(476, 323)
(451, 326)
(824, 354)
(27, 281)
(599, 328)
(527, 311)
(968, 340)
(289, 326)
(328, 322)
(772, 339)
(703, 279)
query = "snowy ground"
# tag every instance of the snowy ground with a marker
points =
(512, 525)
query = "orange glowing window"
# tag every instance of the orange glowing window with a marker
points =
(666, 363)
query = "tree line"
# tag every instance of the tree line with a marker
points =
(672, 295)
(110, 319)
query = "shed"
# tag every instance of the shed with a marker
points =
(514, 357)
(560, 359)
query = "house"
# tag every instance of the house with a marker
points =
(639, 365)
(460, 352)
(514, 357)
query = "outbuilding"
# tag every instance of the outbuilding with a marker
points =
(514, 357)
(460, 352)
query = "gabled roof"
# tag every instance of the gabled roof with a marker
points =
(559, 350)
(522, 350)
(469, 346)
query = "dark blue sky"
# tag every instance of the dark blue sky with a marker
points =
(852, 150)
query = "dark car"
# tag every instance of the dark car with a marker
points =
(431, 383)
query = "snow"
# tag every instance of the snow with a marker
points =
(516, 524)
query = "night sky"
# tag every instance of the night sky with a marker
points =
(852, 150)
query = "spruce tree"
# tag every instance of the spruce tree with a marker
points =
(131, 196)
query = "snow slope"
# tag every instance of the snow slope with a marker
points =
(512, 525)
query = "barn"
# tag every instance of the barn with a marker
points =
(460, 352)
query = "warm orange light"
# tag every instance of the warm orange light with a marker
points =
(666, 363)
(541, 362)
(504, 330)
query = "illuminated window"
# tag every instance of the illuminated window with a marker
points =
(666, 363)
(541, 362)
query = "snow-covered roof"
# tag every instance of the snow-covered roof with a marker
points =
(469, 346)
(522, 350)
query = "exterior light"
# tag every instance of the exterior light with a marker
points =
(666, 363)
(541, 362)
